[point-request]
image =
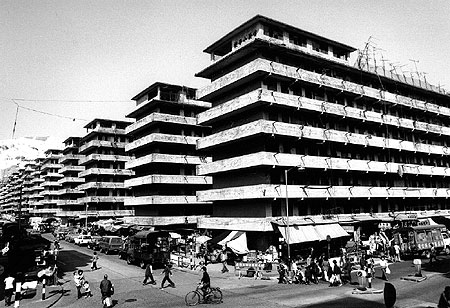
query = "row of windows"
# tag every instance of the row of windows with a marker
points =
(374, 81)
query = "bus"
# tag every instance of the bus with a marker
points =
(417, 240)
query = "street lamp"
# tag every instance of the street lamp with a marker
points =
(287, 213)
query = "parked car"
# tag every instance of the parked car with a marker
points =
(93, 244)
(110, 243)
(82, 240)
(70, 237)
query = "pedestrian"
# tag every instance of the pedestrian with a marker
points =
(384, 268)
(397, 253)
(223, 259)
(106, 289)
(78, 278)
(87, 289)
(9, 289)
(94, 261)
(432, 254)
(336, 276)
(149, 274)
(325, 268)
(167, 273)
(444, 299)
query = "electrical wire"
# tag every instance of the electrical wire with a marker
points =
(44, 112)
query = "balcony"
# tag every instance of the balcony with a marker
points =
(67, 169)
(49, 193)
(101, 185)
(52, 175)
(100, 213)
(101, 199)
(105, 171)
(314, 133)
(161, 138)
(70, 191)
(270, 159)
(71, 180)
(166, 159)
(67, 202)
(270, 191)
(70, 157)
(103, 157)
(169, 179)
(148, 200)
(259, 66)
(100, 143)
(184, 101)
(50, 166)
(160, 117)
(50, 184)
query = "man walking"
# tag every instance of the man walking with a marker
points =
(9, 289)
(149, 274)
(106, 289)
(167, 273)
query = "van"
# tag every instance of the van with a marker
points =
(110, 243)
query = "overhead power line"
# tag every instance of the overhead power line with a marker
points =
(46, 113)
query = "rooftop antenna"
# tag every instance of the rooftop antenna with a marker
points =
(417, 71)
(384, 62)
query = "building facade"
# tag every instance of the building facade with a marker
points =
(103, 151)
(164, 155)
(69, 191)
(299, 131)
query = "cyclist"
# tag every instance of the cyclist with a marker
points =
(205, 282)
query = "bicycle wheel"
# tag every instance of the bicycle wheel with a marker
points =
(216, 296)
(192, 298)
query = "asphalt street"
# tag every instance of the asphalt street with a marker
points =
(244, 292)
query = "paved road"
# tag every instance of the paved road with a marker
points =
(243, 292)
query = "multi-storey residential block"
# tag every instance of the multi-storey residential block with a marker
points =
(165, 157)
(298, 130)
(35, 186)
(69, 191)
(103, 150)
(49, 176)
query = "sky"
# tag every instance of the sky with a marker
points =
(73, 61)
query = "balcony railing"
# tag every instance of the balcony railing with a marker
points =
(169, 179)
(315, 133)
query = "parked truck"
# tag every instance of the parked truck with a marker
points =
(148, 246)
(417, 240)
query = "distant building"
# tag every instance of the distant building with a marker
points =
(69, 192)
(164, 155)
(46, 202)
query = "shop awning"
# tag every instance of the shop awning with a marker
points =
(235, 240)
(202, 239)
(311, 233)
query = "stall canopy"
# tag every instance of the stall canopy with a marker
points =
(202, 239)
(311, 233)
(235, 240)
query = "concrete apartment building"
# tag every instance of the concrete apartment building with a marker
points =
(355, 142)
(164, 155)
(103, 150)
(35, 186)
(49, 182)
(69, 191)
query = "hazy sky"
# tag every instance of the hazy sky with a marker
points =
(55, 54)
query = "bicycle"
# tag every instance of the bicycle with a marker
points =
(213, 296)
